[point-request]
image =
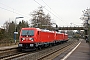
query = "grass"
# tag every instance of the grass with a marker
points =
(8, 42)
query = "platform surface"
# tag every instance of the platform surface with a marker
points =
(8, 47)
(81, 53)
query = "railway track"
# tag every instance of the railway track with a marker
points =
(57, 52)
(7, 52)
(45, 54)
(36, 55)
(11, 53)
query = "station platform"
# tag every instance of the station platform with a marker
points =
(82, 52)
(8, 47)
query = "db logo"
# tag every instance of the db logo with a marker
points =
(26, 38)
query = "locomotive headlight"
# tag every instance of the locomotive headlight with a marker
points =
(31, 39)
(20, 45)
(23, 38)
(31, 45)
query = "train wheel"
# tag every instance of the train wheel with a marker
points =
(39, 47)
(50, 45)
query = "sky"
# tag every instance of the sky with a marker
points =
(62, 12)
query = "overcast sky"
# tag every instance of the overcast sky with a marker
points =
(62, 12)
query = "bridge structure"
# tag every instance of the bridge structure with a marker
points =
(71, 28)
(86, 31)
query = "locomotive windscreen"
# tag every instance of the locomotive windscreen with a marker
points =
(27, 32)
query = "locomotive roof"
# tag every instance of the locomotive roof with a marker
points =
(44, 30)
(38, 29)
(30, 28)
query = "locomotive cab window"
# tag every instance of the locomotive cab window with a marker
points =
(27, 32)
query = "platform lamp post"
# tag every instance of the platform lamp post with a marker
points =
(16, 29)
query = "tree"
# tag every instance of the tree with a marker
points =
(2, 31)
(6, 26)
(11, 29)
(39, 19)
(86, 18)
(22, 24)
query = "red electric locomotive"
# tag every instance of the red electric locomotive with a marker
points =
(59, 37)
(35, 37)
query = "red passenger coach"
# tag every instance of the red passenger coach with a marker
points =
(35, 37)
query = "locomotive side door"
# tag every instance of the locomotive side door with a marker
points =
(38, 36)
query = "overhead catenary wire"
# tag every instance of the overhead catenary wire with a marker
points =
(14, 10)
(47, 4)
(9, 10)
(49, 7)
(54, 14)
(46, 9)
